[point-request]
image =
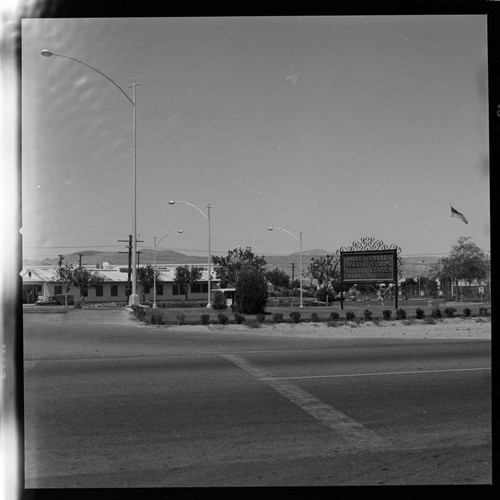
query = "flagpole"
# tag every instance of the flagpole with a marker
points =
(451, 229)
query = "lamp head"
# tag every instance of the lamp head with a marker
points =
(171, 202)
(46, 53)
(270, 228)
(180, 231)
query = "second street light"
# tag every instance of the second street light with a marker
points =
(299, 239)
(154, 262)
(134, 297)
(207, 216)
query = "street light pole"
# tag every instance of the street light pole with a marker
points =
(134, 297)
(154, 262)
(207, 216)
(299, 239)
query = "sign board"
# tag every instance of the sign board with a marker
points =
(368, 266)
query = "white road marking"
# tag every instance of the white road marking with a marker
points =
(354, 433)
(339, 375)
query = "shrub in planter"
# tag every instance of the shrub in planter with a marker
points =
(205, 318)
(483, 311)
(334, 316)
(400, 314)
(436, 312)
(350, 316)
(295, 316)
(278, 317)
(387, 314)
(449, 312)
(251, 292)
(261, 318)
(420, 313)
(222, 318)
(368, 315)
(467, 312)
(181, 318)
(219, 301)
(314, 317)
(239, 318)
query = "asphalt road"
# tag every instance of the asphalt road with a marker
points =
(109, 403)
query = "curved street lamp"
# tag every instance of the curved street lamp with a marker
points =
(154, 260)
(134, 298)
(299, 239)
(207, 216)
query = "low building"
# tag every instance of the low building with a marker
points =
(40, 283)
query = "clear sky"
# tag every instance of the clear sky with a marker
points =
(342, 127)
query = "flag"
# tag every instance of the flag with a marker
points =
(456, 213)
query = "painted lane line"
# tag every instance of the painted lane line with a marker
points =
(355, 434)
(340, 375)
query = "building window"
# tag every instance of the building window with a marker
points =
(58, 290)
(99, 291)
(159, 289)
(146, 289)
(85, 293)
(114, 290)
(178, 290)
(199, 288)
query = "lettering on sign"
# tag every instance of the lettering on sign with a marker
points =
(368, 266)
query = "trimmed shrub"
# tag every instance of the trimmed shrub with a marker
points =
(467, 312)
(222, 318)
(430, 321)
(239, 318)
(350, 316)
(420, 313)
(334, 316)
(181, 318)
(261, 318)
(314, 317)
(483, 311)
(436, 312)
(278, 317)
(368, 315)
(205, 318)
(157, 319)
(387, 314)
(400, 314)
(219, 301)
(449, 312)
(295, 316)
(251, 292)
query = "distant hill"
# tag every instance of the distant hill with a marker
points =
(412, 266)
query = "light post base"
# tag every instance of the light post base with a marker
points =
(133, 300)
(155, 306)
(209, 306)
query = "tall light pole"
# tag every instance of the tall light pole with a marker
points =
(134, 297)
(207, 216)
(299, 239)
(154, 260)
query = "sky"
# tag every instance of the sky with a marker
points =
(339, 127)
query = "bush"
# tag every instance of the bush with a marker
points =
(239, 318)
(157, 319)
(314, 317)
(219, 301)
(387, 314)
(420, 313)
(222, 318)
(205, 318)
(430, 321)
(251, 292)
(334, 316)
(368, 315)
(436, 312)
(449, 312)
(467, 312)
(350, 316)
(483, 311)
(295, 316)
(400, 314)
(181, 318)
(261, 318)
(278, 317)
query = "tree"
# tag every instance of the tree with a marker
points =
(186, 276)
(325, 270)
(278, 278)
(146, 278)
(64, 275)
(229, 268)
(466, 262)
(251, 291)
(84, 280)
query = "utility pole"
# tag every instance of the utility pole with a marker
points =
(128, 290)
(61, 258)
(293, 272)
(79, 260)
